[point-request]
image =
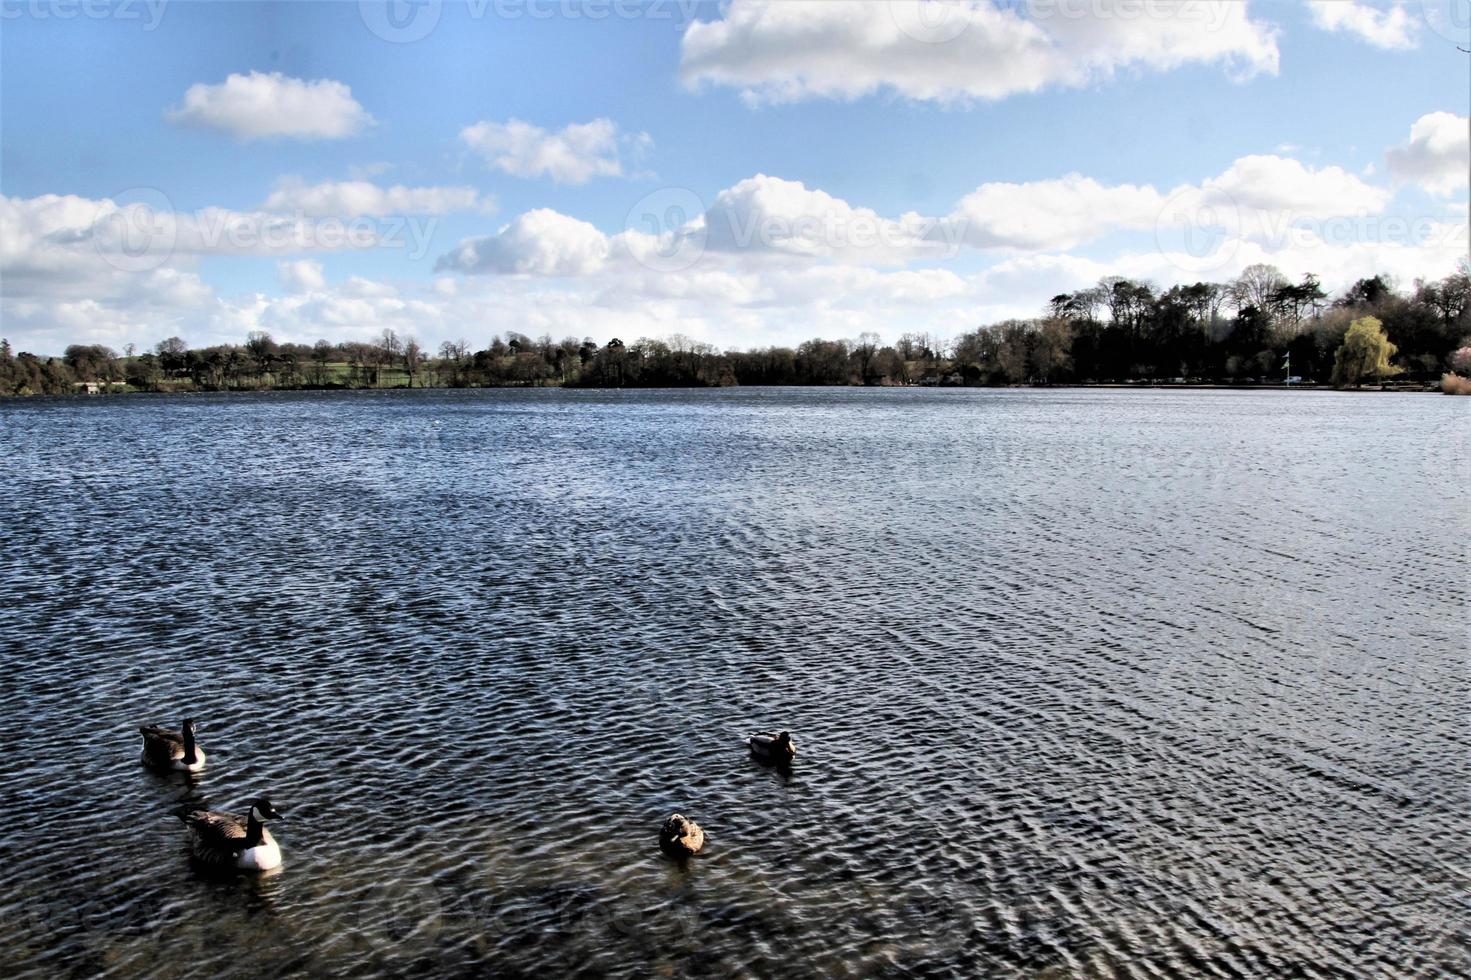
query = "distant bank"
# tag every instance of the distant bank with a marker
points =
(1119, 333)
(116, 389)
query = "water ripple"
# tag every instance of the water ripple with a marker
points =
(1089, 684)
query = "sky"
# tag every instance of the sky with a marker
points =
(740, 173)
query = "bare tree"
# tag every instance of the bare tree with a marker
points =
(1255, 287)
(864, 350)
(412, 356)
(262, 350)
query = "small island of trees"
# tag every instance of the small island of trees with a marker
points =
(1120, 331)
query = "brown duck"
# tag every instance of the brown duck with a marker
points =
(680, 836)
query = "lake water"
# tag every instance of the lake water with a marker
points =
(1084, 683)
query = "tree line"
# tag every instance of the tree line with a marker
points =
(1252, 329)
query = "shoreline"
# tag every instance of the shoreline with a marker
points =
(1105, 386)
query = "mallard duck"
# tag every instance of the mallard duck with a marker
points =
(176, 751)
(228, 840)
(680, 836)
(773, 747)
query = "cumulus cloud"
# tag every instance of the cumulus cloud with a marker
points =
(724, 300)
(262, 106)
(1389, 27)
(1044, 214)
(1274, 183)
(300, 275)
(100, 270)
(58, 287)
(788, 50)
(769, 214)
(354, 198)
(1259, 194)
(573, 155)
(772, 220)
(541, 242)
(1437, 155)
(769, 259)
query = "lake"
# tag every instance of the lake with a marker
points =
(1083, 682)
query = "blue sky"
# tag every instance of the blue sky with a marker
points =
(1032, 145)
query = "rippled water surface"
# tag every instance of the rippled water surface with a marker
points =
(1084, 683)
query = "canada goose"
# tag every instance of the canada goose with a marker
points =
(228, 840)
(177, 751)
(773, 747)
(680, 836)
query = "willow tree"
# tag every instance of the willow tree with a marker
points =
(1364, 354)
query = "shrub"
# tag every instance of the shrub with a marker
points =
(1454, 384)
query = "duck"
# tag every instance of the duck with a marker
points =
(228, 840)
(773, 747)
(680, 836)
(172, 751)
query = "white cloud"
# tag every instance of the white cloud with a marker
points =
(766, 222)
(772, 260)
(1048, 214)
(787, 50)
(541, 242)
(735, 299)
(74, 269)
(1261, 194)
(68, 246)
(1016, 287)
(259, 106)
(1437, 155)
(300, 275)
(769, 214)
(354, 198)
(1273, 183)
(722, 299)
(574, 155)
(57, 287)
(1388, 27)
